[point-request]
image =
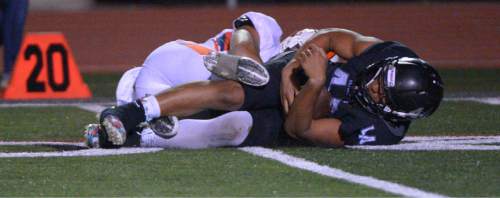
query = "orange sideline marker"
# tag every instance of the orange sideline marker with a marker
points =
(45, 69)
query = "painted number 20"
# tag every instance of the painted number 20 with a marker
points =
(35, 85)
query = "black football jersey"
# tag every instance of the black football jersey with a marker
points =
(360, 127)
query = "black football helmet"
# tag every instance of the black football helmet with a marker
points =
(411, 87)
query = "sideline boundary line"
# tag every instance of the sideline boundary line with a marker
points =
(372, 182)
(74, 153)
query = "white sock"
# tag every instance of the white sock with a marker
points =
(151, 107)
(229, 129)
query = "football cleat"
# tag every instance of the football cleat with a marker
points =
(119, 121)
(91, 135)
(165, 127)
(242, 69)
(114, 129)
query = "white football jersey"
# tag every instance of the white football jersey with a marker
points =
(180, 62)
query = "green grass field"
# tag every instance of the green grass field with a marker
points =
(232, 172)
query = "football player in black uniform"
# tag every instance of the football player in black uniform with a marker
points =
(370, 99)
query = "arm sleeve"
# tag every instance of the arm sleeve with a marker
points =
(376, 53)
(362, 128)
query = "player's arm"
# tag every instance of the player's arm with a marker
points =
(344, 43)
(323, 132)
(245, 42)
(300, 122)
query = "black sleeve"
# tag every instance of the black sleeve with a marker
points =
(362, 128)
(376, 53)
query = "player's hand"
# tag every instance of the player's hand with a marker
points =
(314, 62)
(288, 89)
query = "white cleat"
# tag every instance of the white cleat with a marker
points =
(91, 135)
(237, 68)
(165, 127)
(114, 129)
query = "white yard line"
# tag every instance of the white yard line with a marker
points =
(74, 153)
(80, 153)
(430, 147)
(91, 107)
(440, 143)
(82, 105)
(34, 143)
(372, 182)
(484, 100)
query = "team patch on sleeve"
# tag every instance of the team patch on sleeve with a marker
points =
(362, 128)
(223, 41)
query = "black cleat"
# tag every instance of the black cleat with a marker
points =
(118, 122)
(95, 137)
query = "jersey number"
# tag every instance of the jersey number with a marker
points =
(363, 138)
(35, 85)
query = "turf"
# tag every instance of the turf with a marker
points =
(229, 172)
(213, 173)
(66, 123)
(43, 123)
(102, 85)
(471, 82)
(452, 173)
(24, 148)
(460, 118)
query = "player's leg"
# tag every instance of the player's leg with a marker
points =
(242, 69)
(181, 101)
(229, 129)
(243, 63)
(125, 90)
(147, 83)
(267, 128)
(13, 17)
(254, 40)
(225, 95)
(269, 33)
(154, 77)
(262, 127)
(186, 100)
(191, 98)
(177, 63)
(169, 65)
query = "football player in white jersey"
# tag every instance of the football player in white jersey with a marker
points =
(254, 35)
